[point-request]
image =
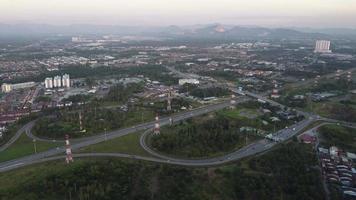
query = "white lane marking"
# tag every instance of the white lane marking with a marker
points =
(11, 166)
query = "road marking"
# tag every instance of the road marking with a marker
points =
(11, 166)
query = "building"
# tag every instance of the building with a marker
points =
(9, 87)
(57, 82)
(307, 139)
(65, 81)
(322, 46)
(189, 81)
(6, 87)
(48, 83)
(275, 94)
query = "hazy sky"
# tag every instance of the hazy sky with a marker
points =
(320, 13)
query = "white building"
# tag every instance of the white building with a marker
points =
(9, 87)
(65, 81)
(322, 46)
(57, 82)
(6, 87)
(189, 81)
(48, 83)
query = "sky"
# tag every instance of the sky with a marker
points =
(272, 13)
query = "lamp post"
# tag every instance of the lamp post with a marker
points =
(34, 145)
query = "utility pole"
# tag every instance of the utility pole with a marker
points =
(169, 100)
(156, 129)
(34, 145)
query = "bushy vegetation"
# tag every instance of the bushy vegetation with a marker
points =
(94, 120)
(217, 132)
(286, 173)
(343, 112)
(209, 92)
(339, 136)
(195, 138)
(121, 93)
(79, 98)
(12, 128)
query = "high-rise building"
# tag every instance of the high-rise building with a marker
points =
(57, 82)
(322, 46)
(48, 83)
(65, 81)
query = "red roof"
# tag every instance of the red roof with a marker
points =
(307, 138)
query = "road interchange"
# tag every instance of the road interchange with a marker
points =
(252, 149)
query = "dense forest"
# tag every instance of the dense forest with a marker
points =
(209, 92)
(218, 132)
(201, 138)
(289, 172)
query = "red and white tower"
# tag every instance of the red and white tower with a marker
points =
(156, 129)
(275, 93)
(69, 157)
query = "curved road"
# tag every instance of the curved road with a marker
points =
(17, 135)
(252, 149)
(27, 160)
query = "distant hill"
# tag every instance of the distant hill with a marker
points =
(210, 31)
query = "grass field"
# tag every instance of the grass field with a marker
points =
(24, 146)
(240, 113)
(129, 144)
(339, 136)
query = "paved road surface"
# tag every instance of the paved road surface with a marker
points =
(252, 149)
(12, 164)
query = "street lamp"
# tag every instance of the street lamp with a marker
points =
(105, 135)
(34, 145)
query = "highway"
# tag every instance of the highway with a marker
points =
(16, 136)
(249, 150)
(12, 164)
(252, 149)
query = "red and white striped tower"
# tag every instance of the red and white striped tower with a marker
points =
(156, 129)
(69, 157)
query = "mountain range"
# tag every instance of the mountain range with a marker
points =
(214, 31)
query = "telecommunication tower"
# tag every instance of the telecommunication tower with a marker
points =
(69, 157)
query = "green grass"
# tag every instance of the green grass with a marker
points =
(240, 113)
(129, 144)
(23, 147)
(340, 136)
